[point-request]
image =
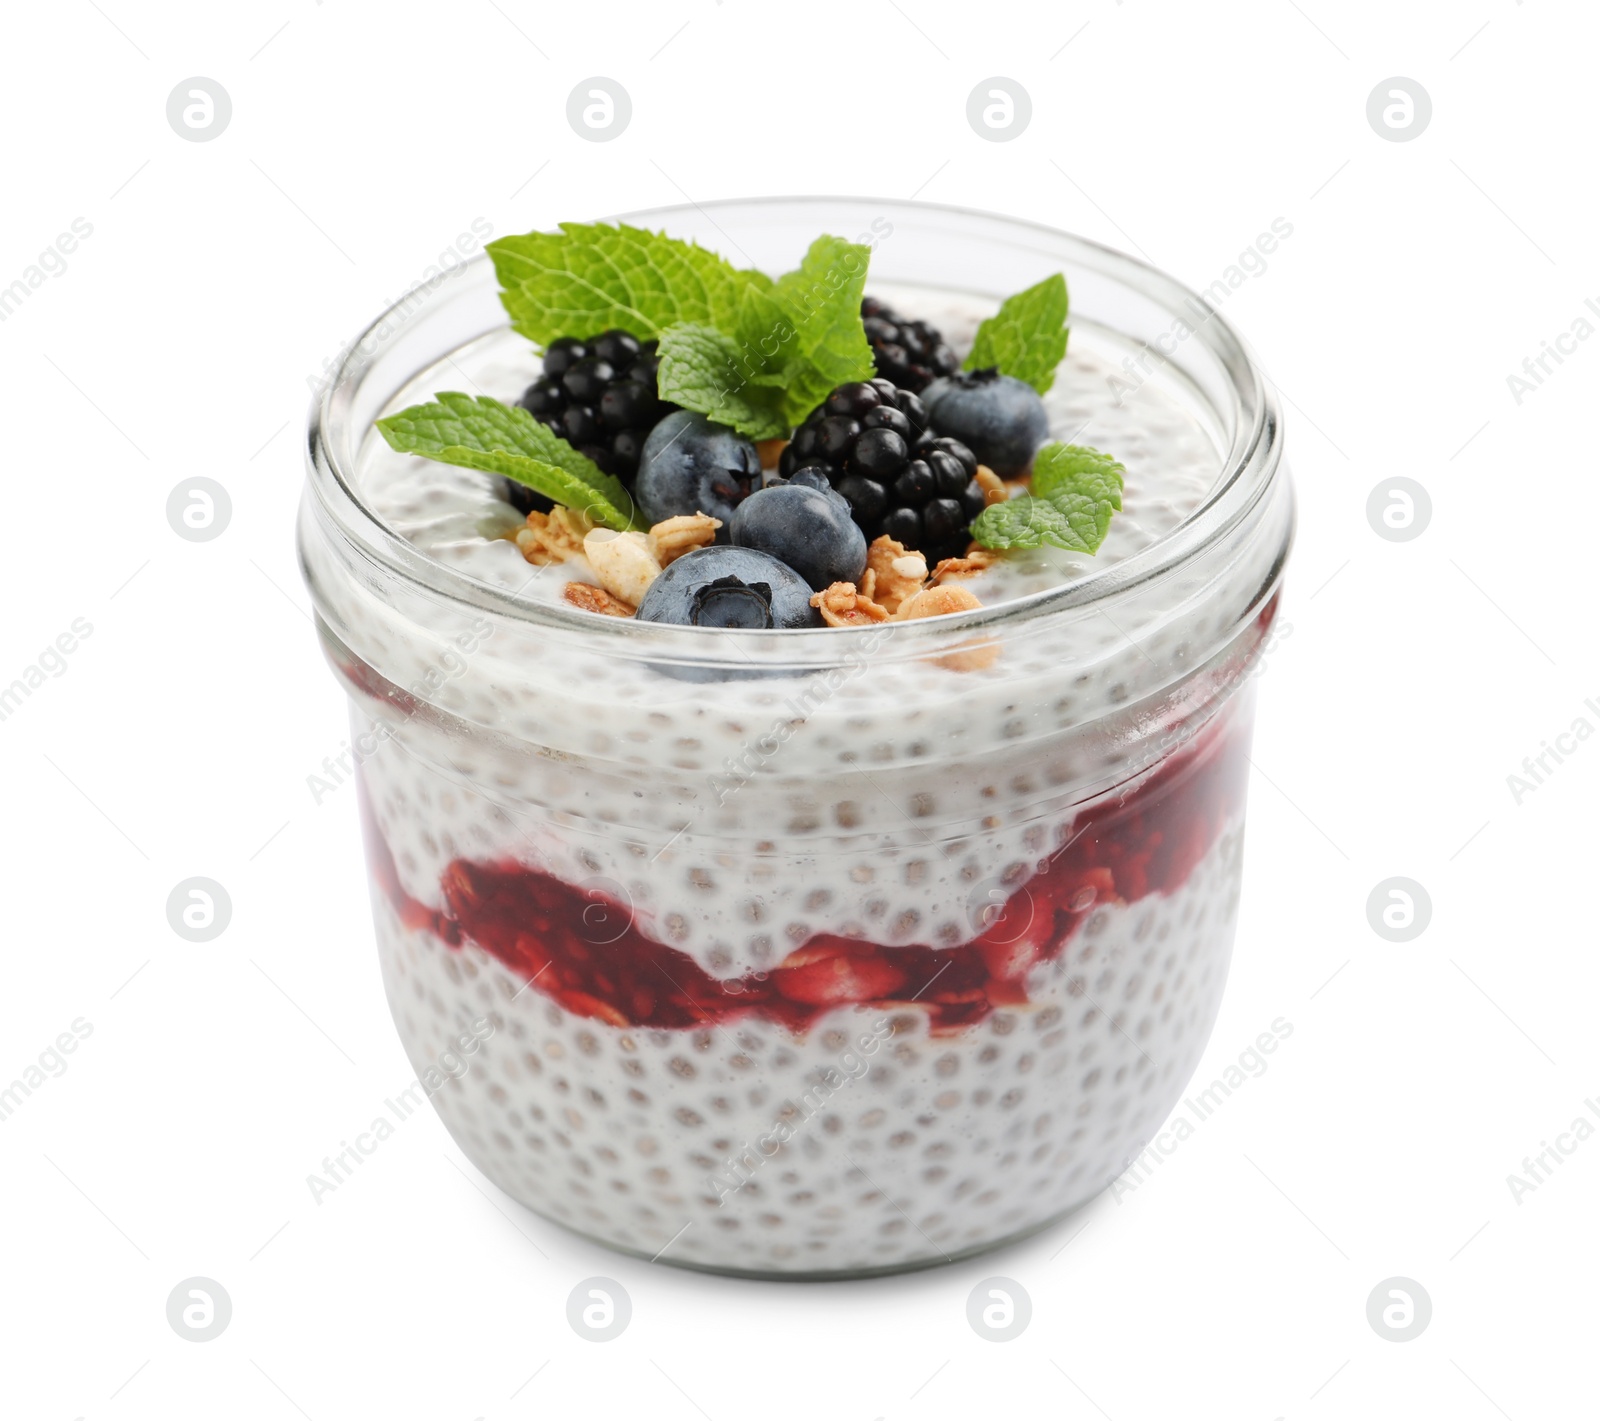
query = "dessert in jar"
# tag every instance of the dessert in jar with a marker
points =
(803, 710)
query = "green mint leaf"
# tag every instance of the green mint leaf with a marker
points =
(1069, 521)
(790, 344)
(1075, 492)
(704, 370)
(1027, 336)
(588, 278)
(487, 435)
(813, 316)
(1075, 468)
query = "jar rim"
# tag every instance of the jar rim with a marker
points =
(1252, 464)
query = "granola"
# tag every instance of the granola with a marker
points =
(941, 602)
(673, 537)
(936, 602)
(625, 563)
(896, 573)
(556, 536)
(842, 606)
(993, 486)
(596, 599)
(975, 560)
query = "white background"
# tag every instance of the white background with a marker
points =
(364, 138)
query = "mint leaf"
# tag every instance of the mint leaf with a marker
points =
(1075, 468)
(820, 302)
(1027, 336)
(487, 435)
(791, 343)
(1075, 492)
(588, 278)
(1070, 521)
(706, 371)
(736, 346)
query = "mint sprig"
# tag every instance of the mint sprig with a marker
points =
(702, 370)
(1075, 492)
(787, 347)
(591, 277)
(1027, 336)
(480, 433)
(822, 302)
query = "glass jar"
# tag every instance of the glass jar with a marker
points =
(817, 953)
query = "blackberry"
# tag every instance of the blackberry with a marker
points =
(872, 444)
(600, 396)
(911, 354)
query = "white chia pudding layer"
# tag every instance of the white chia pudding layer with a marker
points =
(748, 1148)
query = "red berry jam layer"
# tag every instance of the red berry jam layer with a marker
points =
(597, 958)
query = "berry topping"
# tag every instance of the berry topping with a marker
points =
(690, 465)
(732, 605)
(587, 379)
(560, 354)
(809, 529)
(624, 429)
(729, 587)
(871, 442)
(999, 418)
(620, 348)
(910, 353)
(812, 476)
(600, 396)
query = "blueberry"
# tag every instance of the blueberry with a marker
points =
(812, 476)
(690, 465)
(1000, 418)
(808, 529)
(729, 587)
(731, 605)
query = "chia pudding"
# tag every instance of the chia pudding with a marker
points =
(830, 951)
